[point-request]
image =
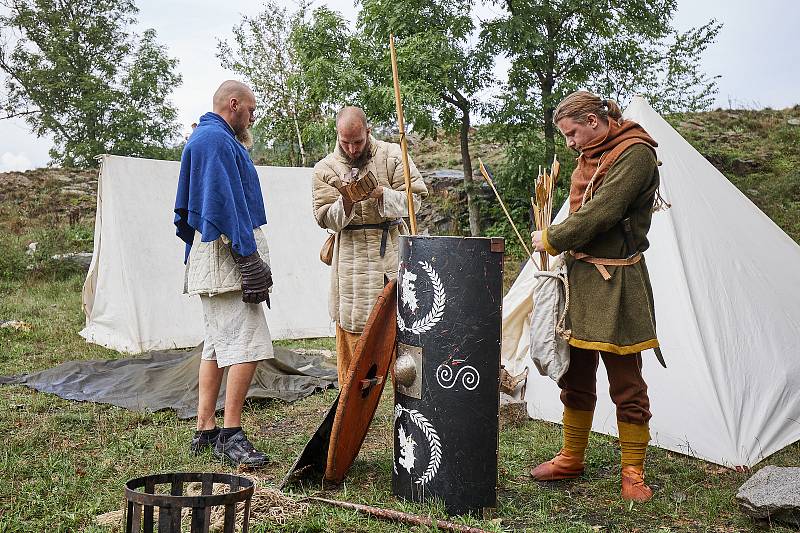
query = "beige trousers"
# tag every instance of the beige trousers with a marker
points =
(236, 332)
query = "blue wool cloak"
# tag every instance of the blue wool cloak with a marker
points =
(218, 188)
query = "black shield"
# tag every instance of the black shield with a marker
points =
(446, 407)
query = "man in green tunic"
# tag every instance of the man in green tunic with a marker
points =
(611, 311)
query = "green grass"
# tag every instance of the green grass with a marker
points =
(65, 462)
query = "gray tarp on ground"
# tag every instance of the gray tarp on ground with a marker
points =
(168, 380)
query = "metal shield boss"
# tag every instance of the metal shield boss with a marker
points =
(446, 375)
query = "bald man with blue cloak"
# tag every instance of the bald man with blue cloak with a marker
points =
(219, 211)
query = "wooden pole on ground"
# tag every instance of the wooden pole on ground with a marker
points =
(399, 516)
(403, 144)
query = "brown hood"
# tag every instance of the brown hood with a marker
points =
(597, 158)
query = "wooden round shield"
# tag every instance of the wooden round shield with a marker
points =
(366, 378)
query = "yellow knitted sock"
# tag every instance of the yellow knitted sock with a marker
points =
(633, 439)
(577, 425)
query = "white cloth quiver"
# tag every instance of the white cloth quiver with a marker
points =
(549, 348)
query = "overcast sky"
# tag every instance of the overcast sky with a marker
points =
(756, 54)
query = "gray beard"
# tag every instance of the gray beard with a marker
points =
(246, 138)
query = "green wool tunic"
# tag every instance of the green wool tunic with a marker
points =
(617, 315)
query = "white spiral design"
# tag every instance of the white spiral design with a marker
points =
(470, 378)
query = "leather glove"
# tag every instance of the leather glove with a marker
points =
(358, 190)
(256, 278)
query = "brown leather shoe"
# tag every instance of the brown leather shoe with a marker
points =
(633, 486)
(562, 466)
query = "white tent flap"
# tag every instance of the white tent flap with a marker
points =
(133, 293)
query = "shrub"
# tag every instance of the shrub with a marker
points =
(17, 263)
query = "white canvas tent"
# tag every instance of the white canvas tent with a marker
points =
(133, 297)
(726, 282)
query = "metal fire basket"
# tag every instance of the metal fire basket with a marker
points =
(143, 495)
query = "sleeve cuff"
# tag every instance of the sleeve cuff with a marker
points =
(335, 218)
(547, 246)
(395, 203)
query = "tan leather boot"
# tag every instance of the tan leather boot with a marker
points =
(633, 485)
(562, 466)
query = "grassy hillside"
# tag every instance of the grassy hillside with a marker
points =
(758, 151)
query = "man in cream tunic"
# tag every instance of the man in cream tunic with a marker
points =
(365, 255)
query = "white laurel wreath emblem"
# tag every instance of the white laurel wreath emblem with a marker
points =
(434, 444)
(470, 378)
(437, 309)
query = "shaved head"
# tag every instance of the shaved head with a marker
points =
(228, 90)
(352, 132)
(350, 116)
(236, 104)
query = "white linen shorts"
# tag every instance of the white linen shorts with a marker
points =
(236, 332)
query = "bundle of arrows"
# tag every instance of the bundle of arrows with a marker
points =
(542, 202)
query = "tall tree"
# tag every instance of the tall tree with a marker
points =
(615, 47)
(322, 45)
(74, 70)
(262, 54)
(441, 71)
(292, 62)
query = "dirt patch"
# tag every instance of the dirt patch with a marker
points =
(280, 428)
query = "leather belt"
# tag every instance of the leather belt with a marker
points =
(385, 226)
(601, 263)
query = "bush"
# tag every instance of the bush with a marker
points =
(13, 261)
(17, 263)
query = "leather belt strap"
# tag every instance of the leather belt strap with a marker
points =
(385, 226)
(601, 263)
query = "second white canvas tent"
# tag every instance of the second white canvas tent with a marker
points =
(133, 297)
(726, 282)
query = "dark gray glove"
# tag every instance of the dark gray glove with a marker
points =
(256, 278)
